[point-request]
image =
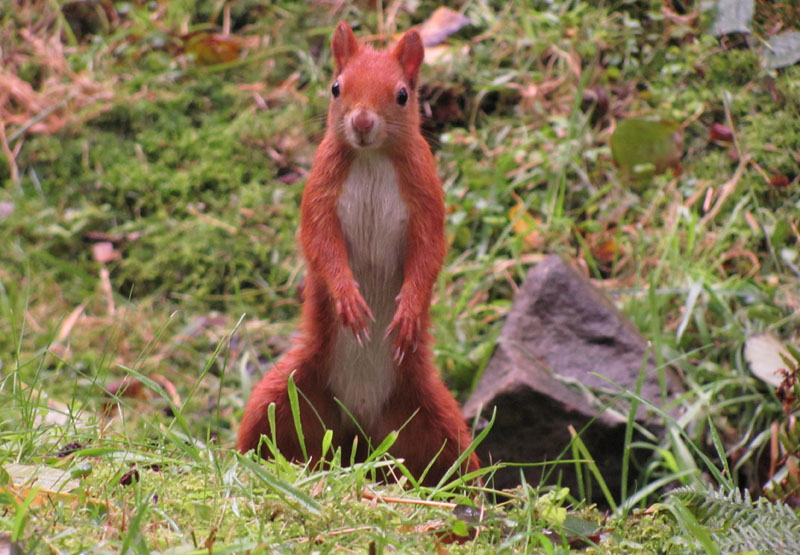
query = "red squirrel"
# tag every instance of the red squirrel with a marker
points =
(372, 233)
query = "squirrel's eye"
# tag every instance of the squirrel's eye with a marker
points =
(402, 96)
(335, 89)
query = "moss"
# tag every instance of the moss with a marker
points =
(732, 68)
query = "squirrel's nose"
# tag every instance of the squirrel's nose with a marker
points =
(363, 121)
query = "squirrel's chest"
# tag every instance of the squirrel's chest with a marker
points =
(374, 218)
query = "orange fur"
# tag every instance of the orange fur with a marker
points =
(368, 110)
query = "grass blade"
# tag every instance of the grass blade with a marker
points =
(294, 403)
(285, 491)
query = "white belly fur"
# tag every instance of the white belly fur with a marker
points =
(373, 217)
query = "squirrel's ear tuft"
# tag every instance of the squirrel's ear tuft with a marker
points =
(344, 45)
(410, 52)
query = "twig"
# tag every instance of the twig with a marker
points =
(334, 533)
(795, 270)
(213, 221)
(366, 494)
(12, 163)
(39, 117)
(726, 190)
(226, 19)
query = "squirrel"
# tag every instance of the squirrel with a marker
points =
(372, 234)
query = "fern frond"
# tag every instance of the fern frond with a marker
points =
(737, 523)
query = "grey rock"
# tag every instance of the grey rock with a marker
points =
(561, 336)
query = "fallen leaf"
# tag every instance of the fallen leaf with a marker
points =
(638, 143)
(733, 16)
(526, 226)
(763, 354)
(779, 181)
(721, 132)
(211, 48)
(782, 50)
(605, 250)
(129, 477)
(50, 481)
(442, 23)
(126, 387)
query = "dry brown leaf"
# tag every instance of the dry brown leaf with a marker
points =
(211, 48)
(721, 132)
(765, 354)
(605, 250)
(527, 226)
(442, 23)
(52, 482)
(126, 387)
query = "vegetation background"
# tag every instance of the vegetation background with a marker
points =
(154, 154)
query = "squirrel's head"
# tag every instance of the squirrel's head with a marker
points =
(374, 94)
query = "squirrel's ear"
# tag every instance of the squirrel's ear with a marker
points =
(410, 52)
(344, 45)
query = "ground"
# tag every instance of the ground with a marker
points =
(153, 159)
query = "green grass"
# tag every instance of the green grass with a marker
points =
(194, 174)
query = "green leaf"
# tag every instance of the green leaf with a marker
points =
(327, 440)
(640, 144)
(460, 528)
(385, 445)
(544, 543)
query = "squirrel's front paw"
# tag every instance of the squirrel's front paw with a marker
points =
(353, 311)
(405, 325)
